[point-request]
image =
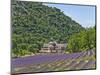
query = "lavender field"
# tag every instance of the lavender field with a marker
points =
(54, 62)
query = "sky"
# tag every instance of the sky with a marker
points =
(84, 15)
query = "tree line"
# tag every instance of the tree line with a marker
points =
(82, 41)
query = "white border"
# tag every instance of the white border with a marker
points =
(5, 37)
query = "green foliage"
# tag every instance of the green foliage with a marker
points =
(83, 40)
(34, 24)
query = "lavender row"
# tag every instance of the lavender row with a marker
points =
(39, 59)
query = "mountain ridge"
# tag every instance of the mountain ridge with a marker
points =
(34, 24)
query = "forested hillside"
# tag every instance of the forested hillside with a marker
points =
(34, 24)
